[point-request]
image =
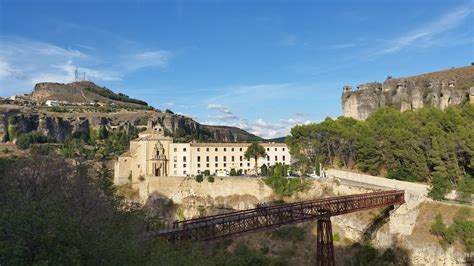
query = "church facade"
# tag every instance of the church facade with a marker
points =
(153, 155)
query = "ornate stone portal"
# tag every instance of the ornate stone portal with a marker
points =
(159, 160)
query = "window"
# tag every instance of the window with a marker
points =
(184, 172)
(233, 159)
(268, 149)
(198, 149)
(225, 149)
(199, 171)
(283, 149)
(217, 149)
(240, 149)
(175, 166)
(184, 149)
(248, 164)
(225, 158)
(207, 149)
(199, 158)
(276, 149)
(199, 165)
(268, 158)
(224, 165)
(240, 164)
(232, 149)
(217, 165)
(217, 158)
(184, 165)
(207, 165)
(207, 158)
(175, 158)
(276, 158)
(240, 158)
(138, 165)
(175, 149)
(184, 158)
(284, 158)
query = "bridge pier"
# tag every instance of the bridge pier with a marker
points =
(324, 243)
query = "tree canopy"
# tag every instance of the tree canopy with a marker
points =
(427, 145)
(255, 151)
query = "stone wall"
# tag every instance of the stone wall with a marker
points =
(402, 219)
(228, 192)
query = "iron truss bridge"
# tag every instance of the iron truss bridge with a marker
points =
(239, 222)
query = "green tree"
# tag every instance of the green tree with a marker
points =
(255, 151)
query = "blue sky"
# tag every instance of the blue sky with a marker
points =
(263, 66)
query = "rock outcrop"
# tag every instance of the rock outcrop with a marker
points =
(58, 127)
(438, 89)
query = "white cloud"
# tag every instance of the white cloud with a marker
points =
(427, 35)
(24, 62)
(168, 104)
(5, 69)
(260, 127)
(157, 58)
(219, 107)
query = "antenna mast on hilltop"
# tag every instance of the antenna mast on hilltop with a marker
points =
(76, 74)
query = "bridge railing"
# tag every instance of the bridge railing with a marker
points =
(227, 224)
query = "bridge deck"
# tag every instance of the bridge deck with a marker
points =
(237, 222)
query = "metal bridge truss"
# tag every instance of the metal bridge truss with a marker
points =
(239, 222)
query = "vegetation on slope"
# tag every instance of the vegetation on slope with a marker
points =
(277, 179)
(427, 145)
(114, 96)
(54, 213)
(462, 229)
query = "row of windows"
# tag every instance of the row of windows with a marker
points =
(175, 158)
(225, 149)
(208, 165)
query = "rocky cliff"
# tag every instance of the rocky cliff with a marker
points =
(438, 89)
(60, 126)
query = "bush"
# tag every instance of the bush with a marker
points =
(210, 179)
(462, 229)
(292, 233)
(206, 173)
(283, 186)
(25, 140)
(199, 178)
(233, 172)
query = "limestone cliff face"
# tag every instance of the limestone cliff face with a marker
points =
(59, 127)
(438, 89)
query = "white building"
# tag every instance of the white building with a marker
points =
(154, 155)
(52, 103)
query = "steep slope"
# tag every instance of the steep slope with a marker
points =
(438, 89)
(82, 92)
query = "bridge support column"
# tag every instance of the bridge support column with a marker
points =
(324, 244)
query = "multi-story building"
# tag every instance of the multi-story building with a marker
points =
(154, 155)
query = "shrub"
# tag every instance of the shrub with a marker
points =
(210, 179)
(25, 140)
(199, 178)
(233, 172)
(207, 172)
(292, 233)
(283, 186)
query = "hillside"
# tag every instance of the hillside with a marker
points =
(82, 92)
(438, 89)
(118, 112)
